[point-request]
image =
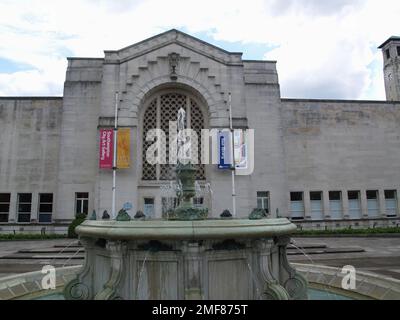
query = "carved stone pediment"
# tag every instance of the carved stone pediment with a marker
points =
(173, 37)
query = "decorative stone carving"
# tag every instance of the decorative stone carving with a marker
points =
(155, 246)
(272, 289)
(295, 284)
(105, 216)
(79, 288)
(193, 252)
(139, 215)
(173, 64)
(229, 244)
(123, 216)
(76, 290)
(226, 214)
(257, 214)
(117, 251)
(93, 216)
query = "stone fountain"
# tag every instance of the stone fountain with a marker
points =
(187, 256)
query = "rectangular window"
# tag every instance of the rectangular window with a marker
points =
(335, 204)
(45, 207)
(198, 202)
(372, 203)
(263, 200)
(296, 205)
(316, 205)
(24, 207)
(391, 203)
(149, 207)
(81, 202)
(168, 204)
(398, 50)
(387, 54)
(4, 206)
(354, 204)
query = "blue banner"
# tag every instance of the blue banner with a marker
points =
(224, 150)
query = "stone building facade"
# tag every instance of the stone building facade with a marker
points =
(322, 163)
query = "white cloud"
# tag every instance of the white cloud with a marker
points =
(323, 49)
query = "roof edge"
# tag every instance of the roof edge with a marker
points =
(178, 32)
(392, 38)
(31, 98)
(339, 101)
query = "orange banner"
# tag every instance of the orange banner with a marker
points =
(123, 148)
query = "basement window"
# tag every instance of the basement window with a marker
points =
(82, 202)
(24, 207)
(296, 205)
(354, 204)
(198, 202)
(316, 205)
(167, 204)
(263, 200)
(4, 206)
(372, 203)
(391, 203)
(45, 207)
(149, 207)
(335, 205)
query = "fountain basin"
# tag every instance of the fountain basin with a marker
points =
(185, 230)
(183, 260)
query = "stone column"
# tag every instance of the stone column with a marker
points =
(267, 254)
(34, 207)
(293, 282)
(345, 204)
(398, 202)
(326, 208)
(382, 203)
(81, 287)
(112, 288)
(192, 251)
(307, 205)
(12, 216)
(364, 206)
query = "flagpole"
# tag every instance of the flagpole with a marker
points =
(233, 166)
(114, 187)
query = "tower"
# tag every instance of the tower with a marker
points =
(391, 67)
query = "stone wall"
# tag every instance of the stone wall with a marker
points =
(341, 146)
(29, 148)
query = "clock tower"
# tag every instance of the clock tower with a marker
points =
(391, 67)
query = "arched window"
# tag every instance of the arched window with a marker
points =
(160, 110)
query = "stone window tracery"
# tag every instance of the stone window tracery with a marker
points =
(160, 111)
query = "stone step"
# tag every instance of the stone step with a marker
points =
(307, 246)
(326, 251)
(23, 256)
(72, 246)
(53, 250)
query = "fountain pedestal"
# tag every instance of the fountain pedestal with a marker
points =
(206, 259)
(186, 211)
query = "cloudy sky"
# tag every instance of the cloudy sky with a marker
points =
(324, 48)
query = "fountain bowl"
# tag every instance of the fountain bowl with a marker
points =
(182, 260)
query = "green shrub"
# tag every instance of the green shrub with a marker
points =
(351, 231)
(80, 217)
(33, 236)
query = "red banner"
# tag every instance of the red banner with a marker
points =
(106, 148)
